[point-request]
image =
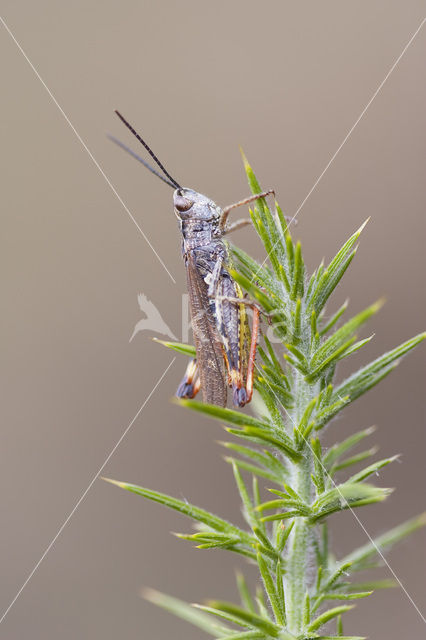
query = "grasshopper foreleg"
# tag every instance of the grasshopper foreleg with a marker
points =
(238, 224)
(242, 223)
(226, 210)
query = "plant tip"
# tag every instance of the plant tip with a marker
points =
(111, 481)
(182, 402)
(363, 225)
(150, 594)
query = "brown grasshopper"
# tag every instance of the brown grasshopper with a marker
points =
(225, 347)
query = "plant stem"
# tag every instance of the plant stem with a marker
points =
(298, 549)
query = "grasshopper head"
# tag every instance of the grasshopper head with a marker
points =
(191, 205)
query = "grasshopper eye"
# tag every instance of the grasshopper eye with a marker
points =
(182, 204)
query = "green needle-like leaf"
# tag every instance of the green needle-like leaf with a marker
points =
(318, 476)
(271, 590)
(283, 533)
(306, 610)
(246, 599)
(249, 512)
(298, 275)
(372, 585)
(210, 540)
(185, 508)
(334, 272)
(279, 442)
(301, 428)
(327, 616)
(334, 577)
(331, 360)
(229, 416)
(261, 603)
(368, 376)
(336, 451)
(187, 612)
(186, 349)
(345, 332)
(279, 576)
(253, 469)
(347, 596)
(347, 496)
(286, 503)
(373, 468)
(221, 614)
(360, 556)
(265, 543)
(244, 618)
(274, 466)
(356, 459)
(334, 318)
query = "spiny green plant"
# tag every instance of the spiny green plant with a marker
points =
(297, 397)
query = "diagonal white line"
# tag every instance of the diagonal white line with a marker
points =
(90, 154)
(355, 515)
(84, 494)
(360, 117)
(345, 139)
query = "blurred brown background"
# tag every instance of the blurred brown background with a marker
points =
(286, 81)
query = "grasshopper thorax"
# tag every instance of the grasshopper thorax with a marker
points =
(191, 205)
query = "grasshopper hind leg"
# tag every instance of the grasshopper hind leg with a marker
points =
(240, 346)
(190, 383)
(239, 343)
(242, 392)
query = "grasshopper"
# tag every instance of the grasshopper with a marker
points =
(225, 347)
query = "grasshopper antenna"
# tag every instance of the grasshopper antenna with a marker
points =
(141, 160)
(151, 153)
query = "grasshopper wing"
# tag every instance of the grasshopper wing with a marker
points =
(208, 345)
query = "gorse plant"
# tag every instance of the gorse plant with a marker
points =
(296, 398)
